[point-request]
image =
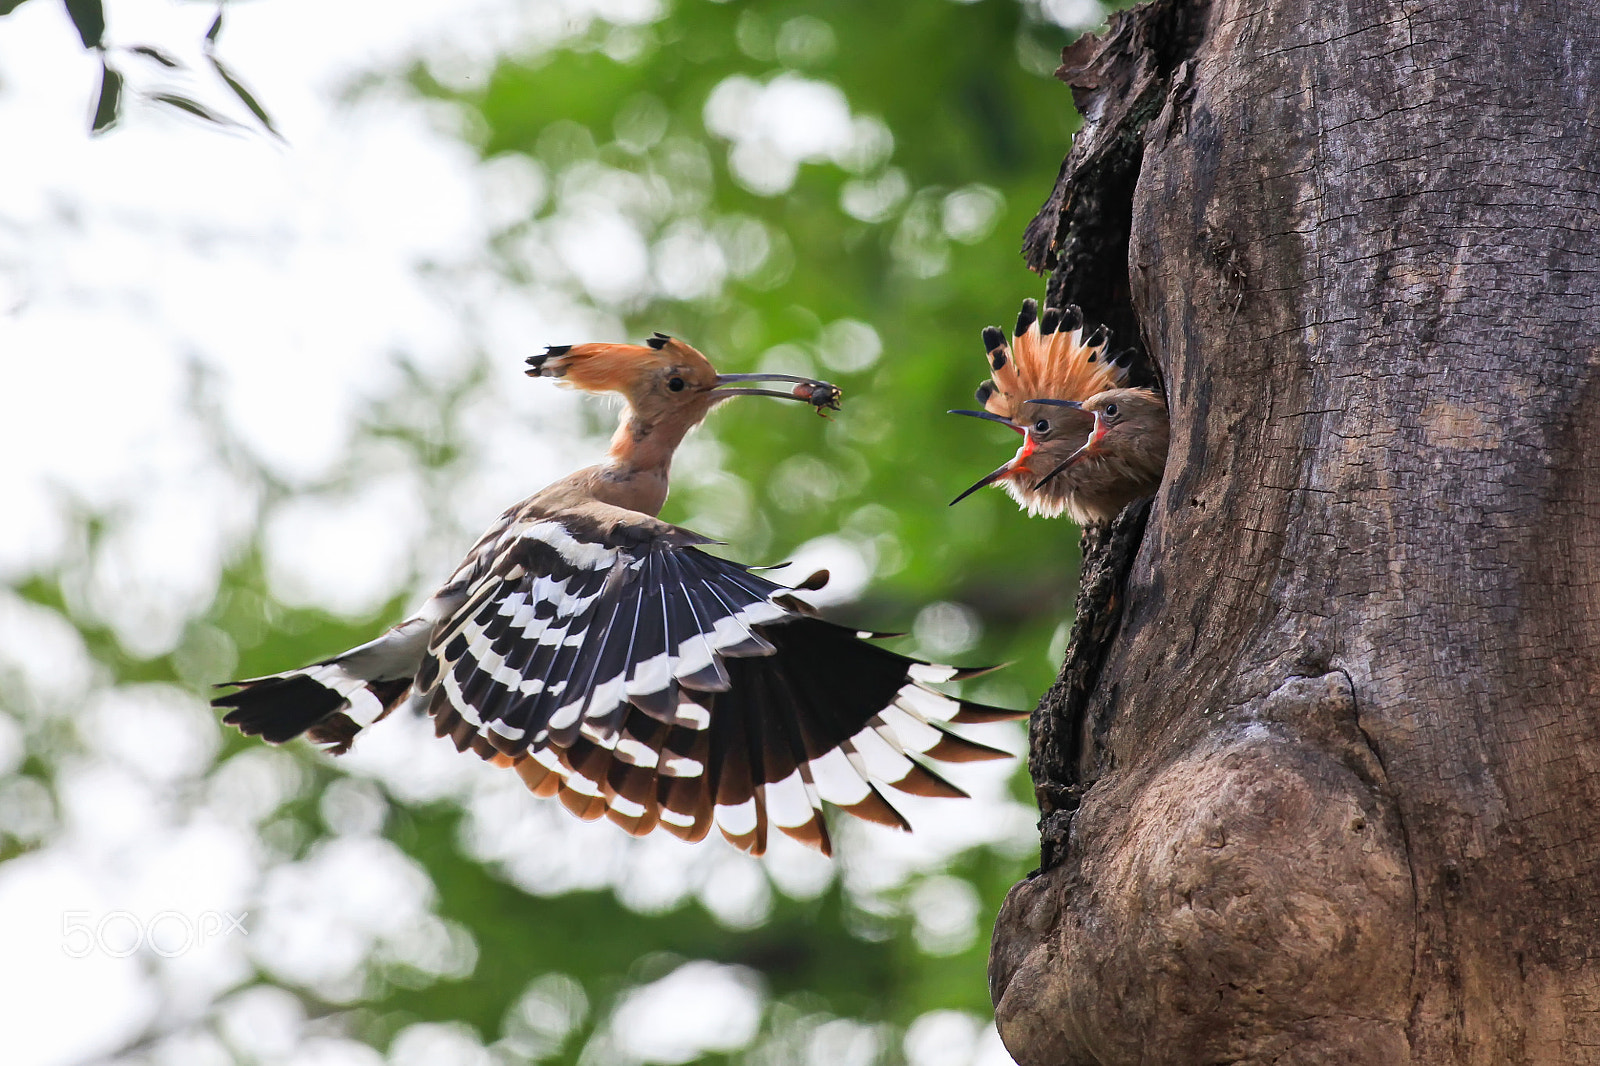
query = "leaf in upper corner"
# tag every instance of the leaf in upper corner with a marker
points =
(8, 6)
(108, 106)
(216, 28)
(90, 18)
(151, 52)
(183, 103)
(244, 94)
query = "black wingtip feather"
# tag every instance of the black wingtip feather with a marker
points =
(992, 338)
(816, 581)
(985, 391)
(1051, 321)
(1071, 317)
(972, 713)
(657, 340)
(967, 673)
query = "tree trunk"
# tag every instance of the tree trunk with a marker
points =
(1320, 781)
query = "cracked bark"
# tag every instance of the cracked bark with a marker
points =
(1321, 777)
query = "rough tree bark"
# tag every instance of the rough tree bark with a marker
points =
(1320, 781)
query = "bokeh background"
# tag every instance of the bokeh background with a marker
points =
(257, 395)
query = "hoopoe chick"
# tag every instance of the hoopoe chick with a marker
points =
(600, 653)
(1091, 445)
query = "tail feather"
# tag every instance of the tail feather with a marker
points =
(278, 709)
(331, 701)
(313, 702)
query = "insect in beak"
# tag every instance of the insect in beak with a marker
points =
(819, 394)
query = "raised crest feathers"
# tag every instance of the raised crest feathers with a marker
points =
(1049, 355)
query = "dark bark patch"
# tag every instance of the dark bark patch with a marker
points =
(1120, 82)
(1061, 757)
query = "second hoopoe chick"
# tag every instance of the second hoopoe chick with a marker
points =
(600, 653)
(1091, 444)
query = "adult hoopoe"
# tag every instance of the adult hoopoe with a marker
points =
(1091, 446)
(596, 649)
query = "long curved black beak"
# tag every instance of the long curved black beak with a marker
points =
(1074, 404)
(989, 416)
(987, 479)
(819, 394)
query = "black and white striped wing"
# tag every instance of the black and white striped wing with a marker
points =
(825, 716)
(560, 637)
(663, 687)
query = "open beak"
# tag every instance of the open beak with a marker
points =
(988, 479)
(1018, 463)
(992, 417)
(1087, 450)
(819, 394)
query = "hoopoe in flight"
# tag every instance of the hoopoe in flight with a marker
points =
(1091, 446)
(600, 653)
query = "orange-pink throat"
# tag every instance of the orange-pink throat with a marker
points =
(1098, 435)
(1019, 465)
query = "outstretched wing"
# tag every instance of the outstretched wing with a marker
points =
(826, 716)
(560, 633)
(663, 687)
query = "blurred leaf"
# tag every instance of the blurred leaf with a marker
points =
(108, 106)
(244, 94)
(151, 52)
(618, 115)
(90, 18)
(183, 103)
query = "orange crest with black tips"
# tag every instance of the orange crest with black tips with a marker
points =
(1049, 355)
(621, 368)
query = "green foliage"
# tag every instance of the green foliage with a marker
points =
(89, 19)
(910, 239)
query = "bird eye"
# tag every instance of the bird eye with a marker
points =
(1042, 426)
(676, 384)
(1111, 410)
